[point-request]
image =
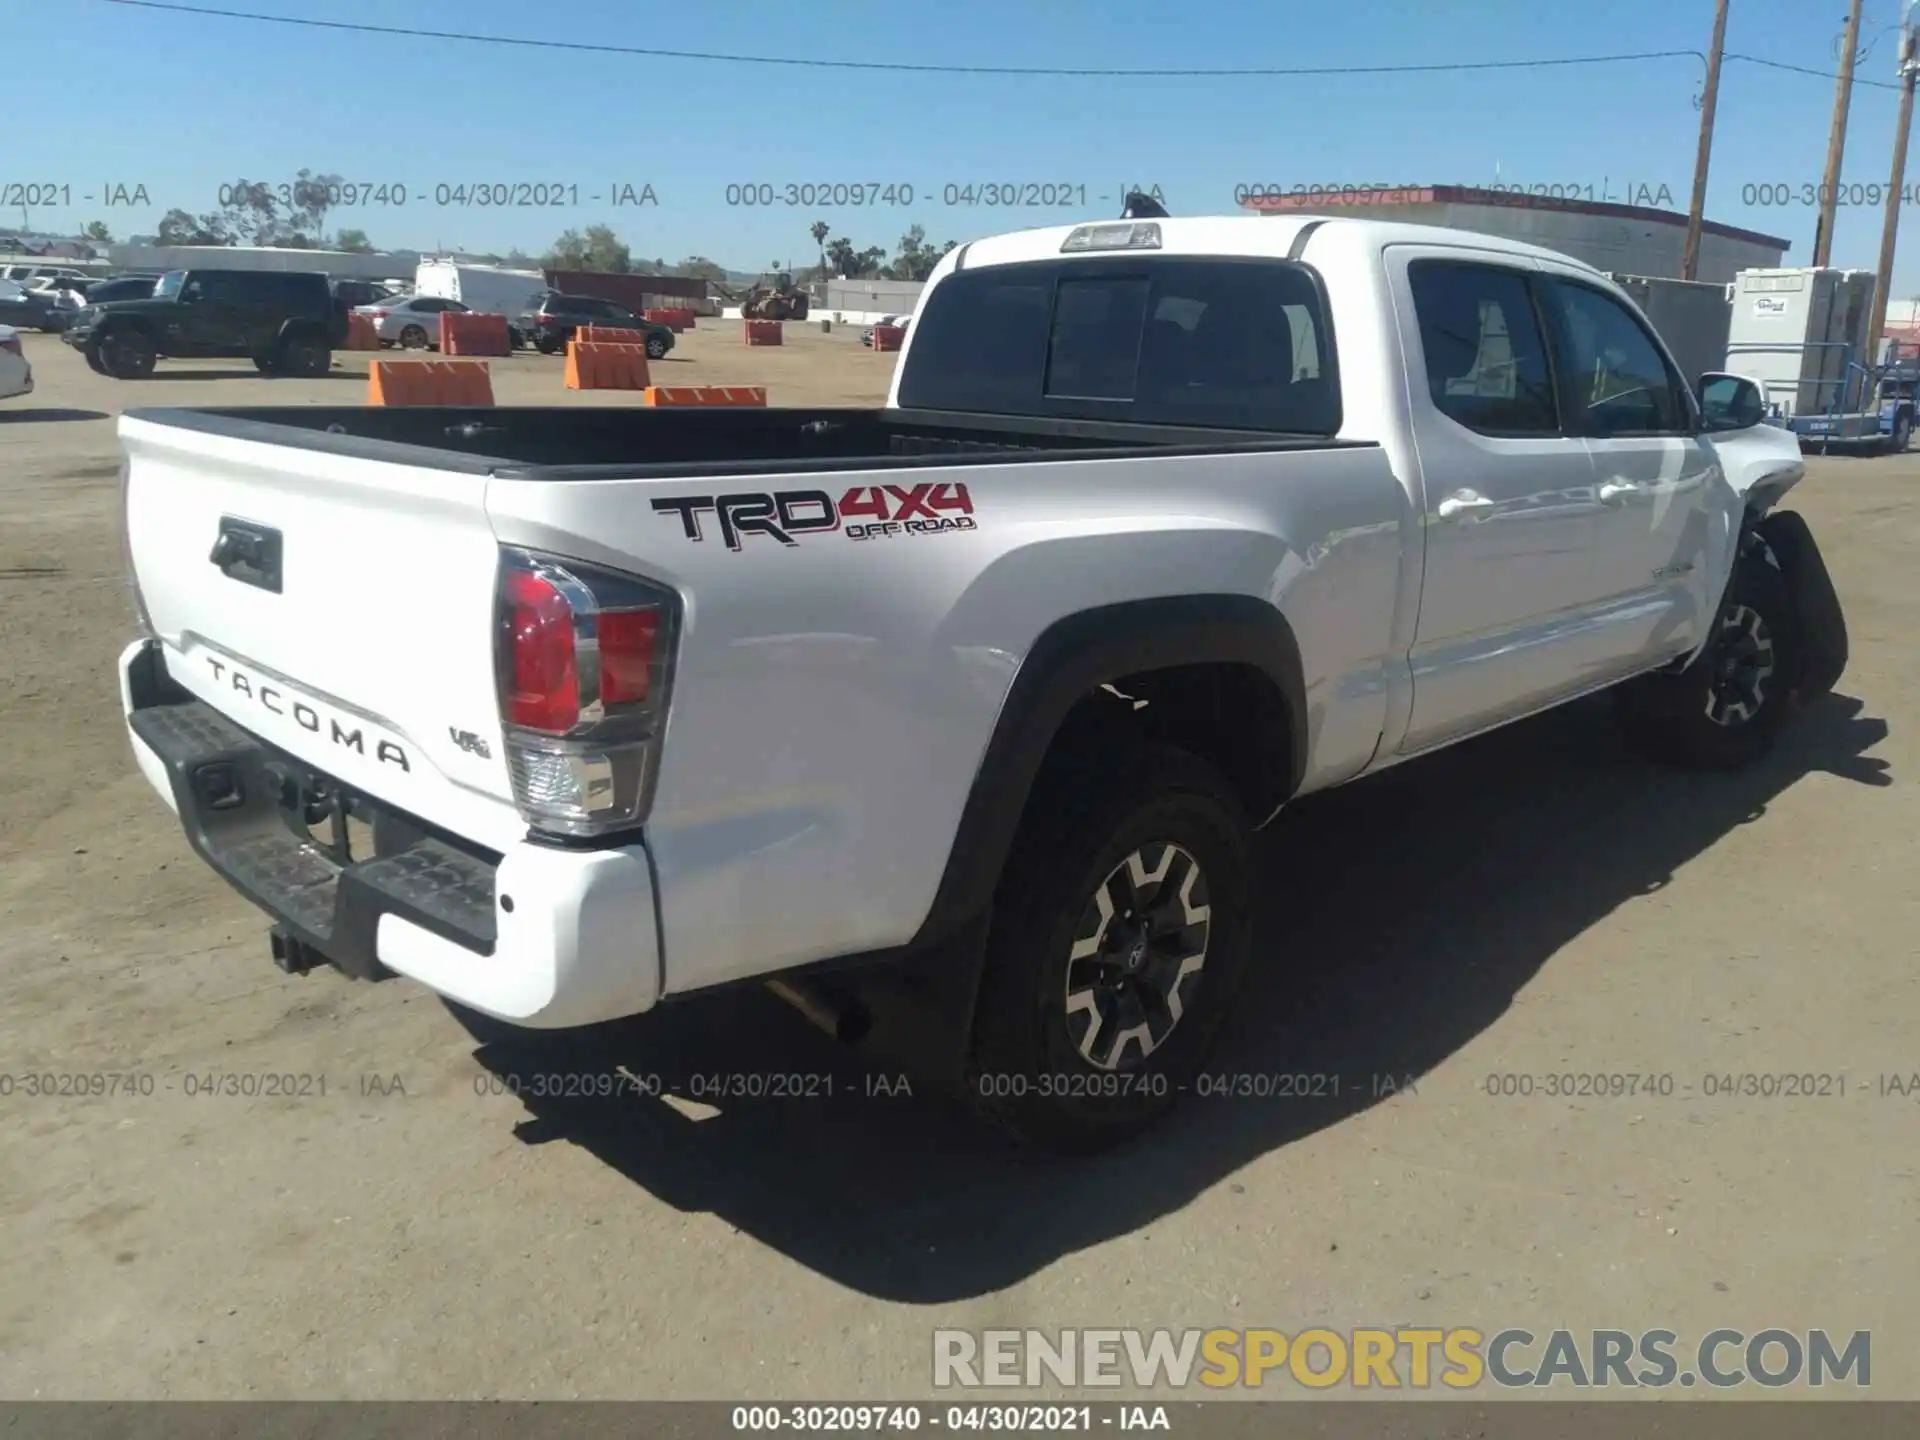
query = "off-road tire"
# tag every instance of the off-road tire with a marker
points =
(1723, 711)
(127, 354)
(1822, 647)
(304, 355)
(1028, 1073)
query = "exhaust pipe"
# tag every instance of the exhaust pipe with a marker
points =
(842, 1017)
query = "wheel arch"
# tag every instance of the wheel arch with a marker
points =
(1069, 663)
(116, 324)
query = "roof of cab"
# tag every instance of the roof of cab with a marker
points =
(1244, 235)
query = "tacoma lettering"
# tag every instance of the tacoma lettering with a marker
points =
(387, 752)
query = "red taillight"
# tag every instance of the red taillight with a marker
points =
(584, 662)
(626, 655)
(543, 687)
(378, 314)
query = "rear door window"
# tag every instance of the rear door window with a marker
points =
(1486, 356)
(1217, 343)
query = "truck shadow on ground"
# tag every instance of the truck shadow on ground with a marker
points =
(1405, 913)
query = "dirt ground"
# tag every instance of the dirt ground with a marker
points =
(1535, 903)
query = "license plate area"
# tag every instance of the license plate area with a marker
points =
(339, 822)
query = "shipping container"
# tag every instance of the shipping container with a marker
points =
(636, 292)
(1691, 316)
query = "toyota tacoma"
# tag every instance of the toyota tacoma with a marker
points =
(953, 717)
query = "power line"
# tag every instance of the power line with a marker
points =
(804, 62)
(815, 64)
(1807, 70)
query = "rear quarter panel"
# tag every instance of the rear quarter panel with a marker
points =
(833, 698)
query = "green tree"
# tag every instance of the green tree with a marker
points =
(916, 258)
(865, 264)
(605, 252)
(820, 230)
(700, 268)
(177, 227)
(251, 215)
(97, 232)
(312, 197)
(354, 240)
(569, 252)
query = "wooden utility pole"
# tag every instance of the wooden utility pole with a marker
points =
(1896, 187)
(1690, 257)
(1837, 139)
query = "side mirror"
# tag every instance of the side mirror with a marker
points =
(1730, 402)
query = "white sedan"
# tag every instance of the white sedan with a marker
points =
(16, 375)
(410, 321)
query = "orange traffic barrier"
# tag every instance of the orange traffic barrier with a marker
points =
(471, 333)
(888, 337)
(705, 395)
(428, 382)
(362, 333)
(683, 320)
(610, 335)
(606, 367)
(675, 319)
(763, 332)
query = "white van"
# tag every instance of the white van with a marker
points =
(486, 288)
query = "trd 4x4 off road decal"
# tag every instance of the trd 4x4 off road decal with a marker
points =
(866, 512)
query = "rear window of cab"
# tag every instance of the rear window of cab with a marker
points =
(1220, 343)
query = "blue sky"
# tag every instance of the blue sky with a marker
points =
(181, 103)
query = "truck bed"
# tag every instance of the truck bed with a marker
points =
(580, 442)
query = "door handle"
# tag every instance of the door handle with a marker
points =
(1463, 505)
(1618, 492)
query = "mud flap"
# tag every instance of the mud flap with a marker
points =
(1823, 625)
(920, 1008)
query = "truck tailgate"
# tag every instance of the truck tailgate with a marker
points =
(347, 621)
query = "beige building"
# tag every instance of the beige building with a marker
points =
(1624, 239)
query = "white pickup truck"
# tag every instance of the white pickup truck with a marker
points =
(956, 715)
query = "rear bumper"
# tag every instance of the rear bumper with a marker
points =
(539, 936)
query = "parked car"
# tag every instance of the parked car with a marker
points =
(412, 322)
(25, 273)
(16, 374)
(67, 293)
(121, 287)
(25, 309)
(903, 321)
(286, 321)
(1188, 519)
(552, 323)
(357, 293)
